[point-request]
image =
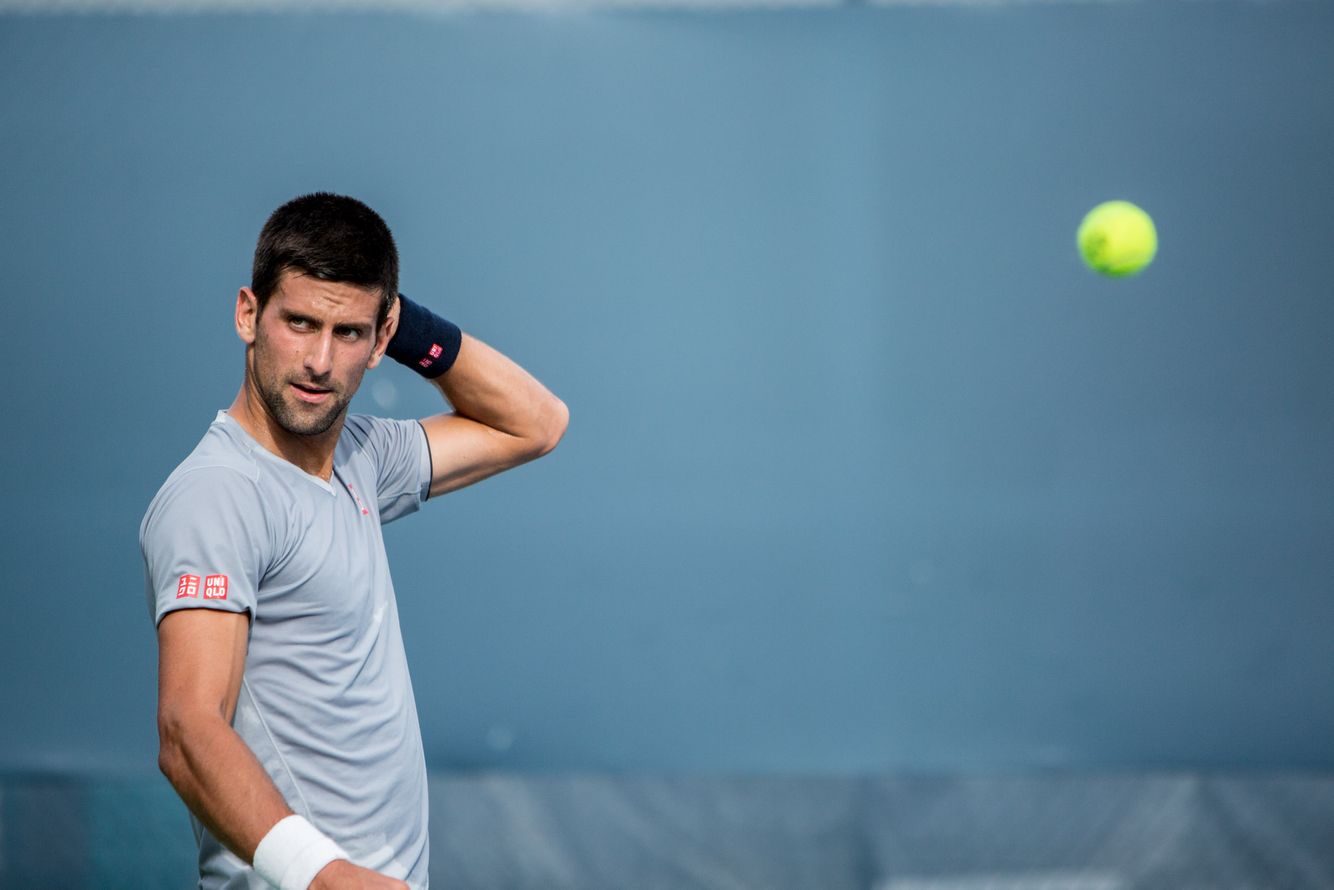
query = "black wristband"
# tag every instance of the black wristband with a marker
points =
(424, 341)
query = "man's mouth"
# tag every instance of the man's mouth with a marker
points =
(307, 392)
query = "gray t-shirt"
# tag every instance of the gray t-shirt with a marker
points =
(326, 702)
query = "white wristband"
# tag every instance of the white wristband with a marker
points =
(293, 852)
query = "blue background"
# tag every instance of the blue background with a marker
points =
(865, 472)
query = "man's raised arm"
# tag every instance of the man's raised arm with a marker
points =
(502, 415)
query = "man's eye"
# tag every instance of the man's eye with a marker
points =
(300, 324)
(349, 333)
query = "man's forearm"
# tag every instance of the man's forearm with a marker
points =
(486, 386)
(222, 782)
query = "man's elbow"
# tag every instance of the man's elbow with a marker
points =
(170, 753)
(556, 422)
(177, 731)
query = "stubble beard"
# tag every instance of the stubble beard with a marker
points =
(297, 419)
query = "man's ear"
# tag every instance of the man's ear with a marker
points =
(247, 315)
(384, 335)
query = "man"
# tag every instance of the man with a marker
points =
(285, 712)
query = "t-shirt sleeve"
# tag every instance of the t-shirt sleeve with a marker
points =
(205, 543)
(402, 462)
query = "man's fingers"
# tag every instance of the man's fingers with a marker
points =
(343, 875)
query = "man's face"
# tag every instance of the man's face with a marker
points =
(312, 344)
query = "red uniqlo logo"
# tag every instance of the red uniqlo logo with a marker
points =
(187, 586)
(215, 587)
(431, 355)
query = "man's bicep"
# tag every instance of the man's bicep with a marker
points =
(201, 660)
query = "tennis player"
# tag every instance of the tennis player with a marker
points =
(285, 711)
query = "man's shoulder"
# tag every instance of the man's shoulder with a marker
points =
(220, 454)
(362, 426)
(220, 470)
(369, 432)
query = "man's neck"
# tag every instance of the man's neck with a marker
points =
(313, 454)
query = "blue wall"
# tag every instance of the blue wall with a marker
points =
(865, 471)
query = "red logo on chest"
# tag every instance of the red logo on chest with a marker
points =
(356, 497)
(215, 587)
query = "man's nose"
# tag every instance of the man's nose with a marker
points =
(319, 358)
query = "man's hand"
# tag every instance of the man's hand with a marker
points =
(343, 875)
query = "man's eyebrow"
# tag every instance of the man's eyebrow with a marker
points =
(359, 326)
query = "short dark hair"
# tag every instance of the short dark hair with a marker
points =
(330, 237)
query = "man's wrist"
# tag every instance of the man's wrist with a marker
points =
(424, 341)
(293, 852)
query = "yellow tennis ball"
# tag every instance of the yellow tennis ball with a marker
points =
(1117, 239)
